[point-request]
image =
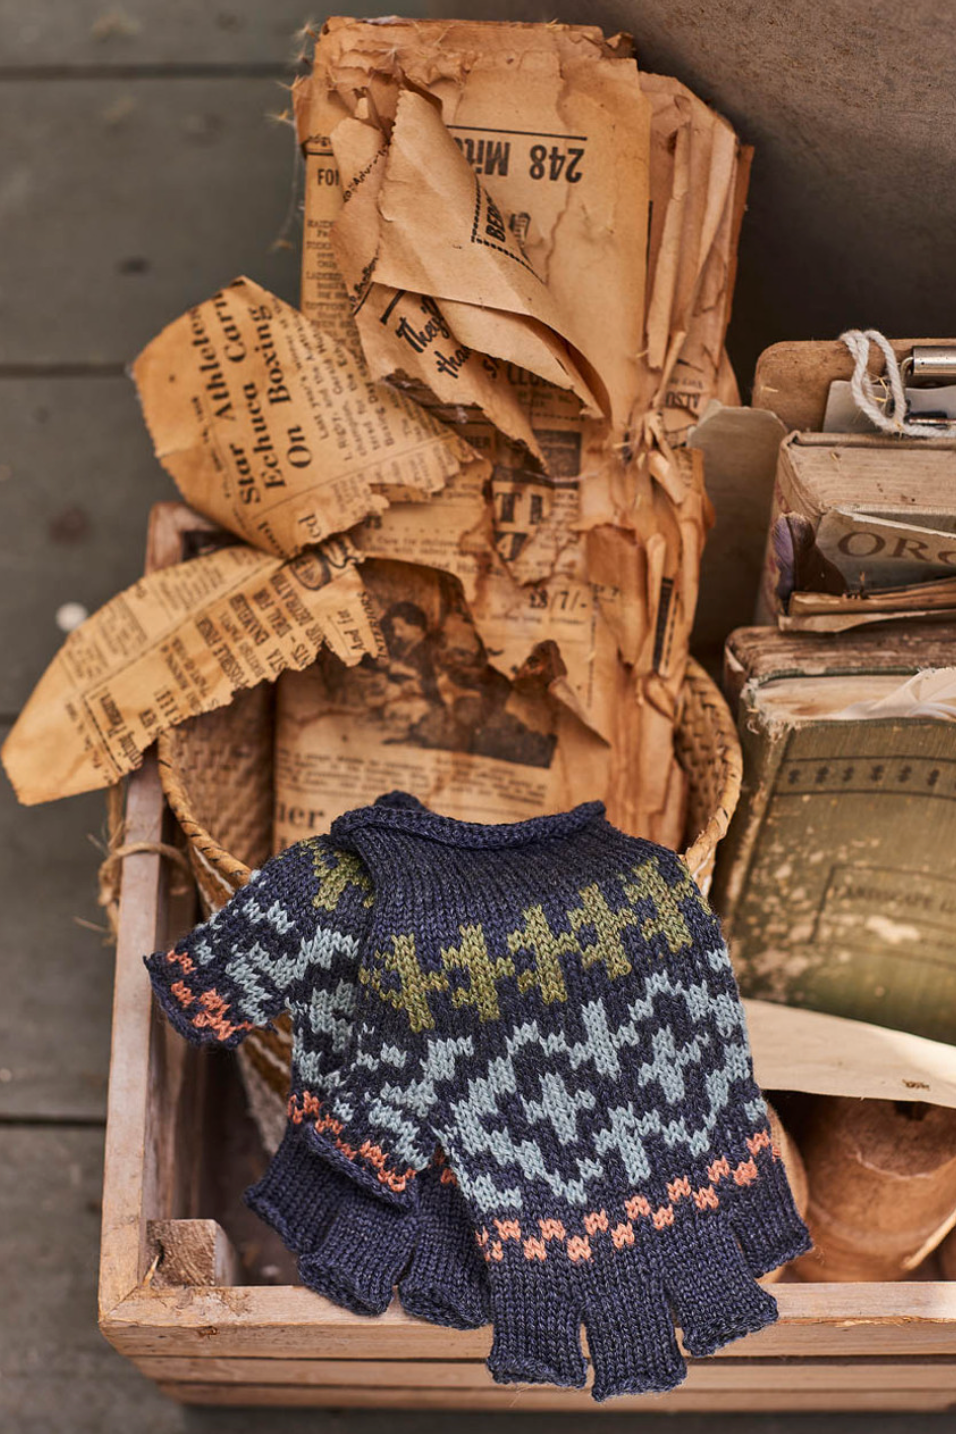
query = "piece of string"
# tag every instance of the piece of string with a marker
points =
(864, 392)
(110, 873)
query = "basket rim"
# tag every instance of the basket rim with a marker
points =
(727, 745)
(221, 864)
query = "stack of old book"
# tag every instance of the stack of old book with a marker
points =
(836, 882)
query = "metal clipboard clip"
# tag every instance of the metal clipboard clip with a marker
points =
(929, 366)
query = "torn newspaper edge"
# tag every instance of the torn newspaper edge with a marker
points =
(178, 643)
(276, 431)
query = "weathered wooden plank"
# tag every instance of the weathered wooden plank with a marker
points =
(282, 1322)
(145, 1064)
(543, 1399)
(708, 1374)
(82, 33)
(55, 1010)
(78, 478)
(58, 1375)
(125, 201)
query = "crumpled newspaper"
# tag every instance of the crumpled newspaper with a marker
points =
(470, 440)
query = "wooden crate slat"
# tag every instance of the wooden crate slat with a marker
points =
(147, 1058)
(354, 1396)
(123, 1243)
(191, 1252)
(723, 1375)
(284, 1322)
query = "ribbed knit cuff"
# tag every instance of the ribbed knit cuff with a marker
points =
(400, 814)
(184, 1003)
(164, 975)
(362, 1255)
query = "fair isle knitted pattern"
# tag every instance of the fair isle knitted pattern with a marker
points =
(289, 940)
(552, 1001)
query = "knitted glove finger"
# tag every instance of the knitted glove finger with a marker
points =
(769, 1228)
(623, 1305)
(627, 1292)
(713, 1294)
(363, 1251)
(350, 1247)
(353, 1249)
(446, 1282)
(297, 1196)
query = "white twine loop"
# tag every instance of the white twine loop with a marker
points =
(864, 393)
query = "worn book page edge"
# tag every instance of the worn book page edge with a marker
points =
(830, 1055)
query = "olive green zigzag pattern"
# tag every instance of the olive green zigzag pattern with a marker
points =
(547, 949)
(335, 871)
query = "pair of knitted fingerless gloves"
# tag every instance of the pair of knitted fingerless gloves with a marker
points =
(551, 1003)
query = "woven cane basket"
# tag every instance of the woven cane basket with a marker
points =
(216, 771)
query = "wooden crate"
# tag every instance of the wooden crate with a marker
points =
(177, 1300)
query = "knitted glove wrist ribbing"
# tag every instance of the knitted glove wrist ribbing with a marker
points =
(552, 1001)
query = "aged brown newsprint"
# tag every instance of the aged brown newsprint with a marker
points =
(477, 226)
(177, 643)
(518, 257)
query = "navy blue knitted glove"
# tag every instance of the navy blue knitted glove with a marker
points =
(290, 940)
(349, 1247)
(446, 1282)
(552, 1001)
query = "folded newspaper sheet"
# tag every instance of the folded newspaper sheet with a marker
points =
(180, 642)
(519, 253)
(278, 432)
